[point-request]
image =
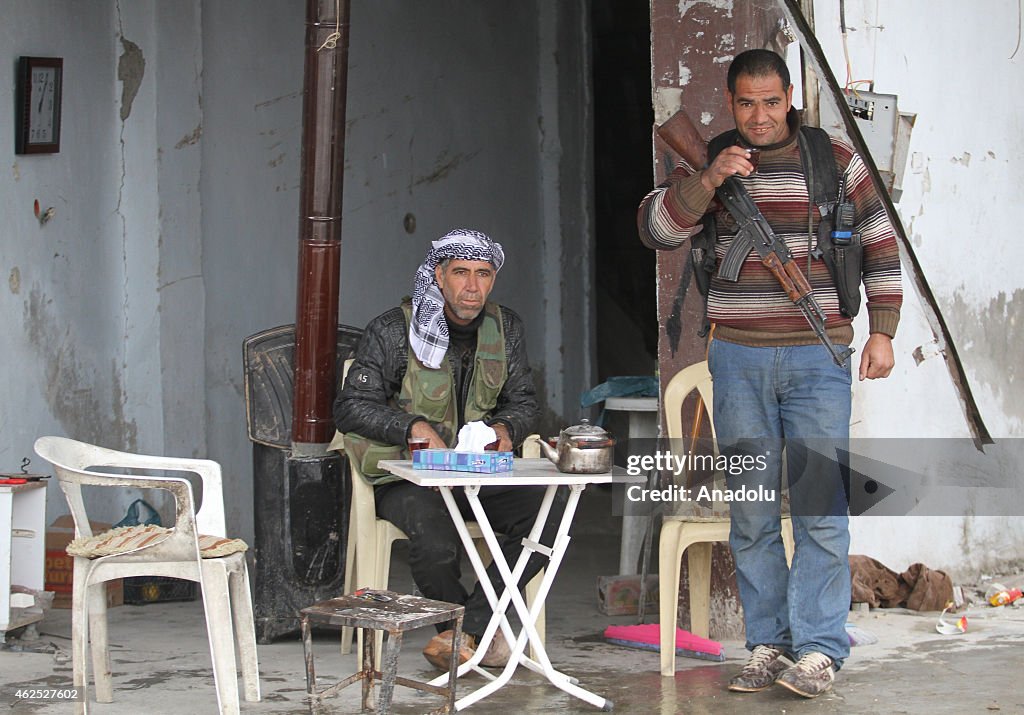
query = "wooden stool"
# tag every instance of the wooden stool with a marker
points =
(393, 613)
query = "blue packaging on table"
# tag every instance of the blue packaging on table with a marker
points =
(452, 461)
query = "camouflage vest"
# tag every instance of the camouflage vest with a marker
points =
(431, 393)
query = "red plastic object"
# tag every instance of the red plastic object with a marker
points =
(650, 635)
(1005, 598)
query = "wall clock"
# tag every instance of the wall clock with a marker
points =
(37, 124)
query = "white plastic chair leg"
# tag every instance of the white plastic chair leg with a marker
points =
(347, 633)
(787, 539)
(668, 593)
(363, 571)
(531, 595)
(217, 604)
(700, 536)
(80, 638)
(681, 536)
(379, 581)
(699, 562)
(99, 645)
(241, 612)
(374, 575)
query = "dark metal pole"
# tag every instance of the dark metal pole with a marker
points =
(320, 194)
(300, 493)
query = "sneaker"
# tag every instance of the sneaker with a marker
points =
(763, 667)
(812, 675)
(439, 650)
(498, 652)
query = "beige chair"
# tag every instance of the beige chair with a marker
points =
(694, 532)
(368, 552)
(195, 548)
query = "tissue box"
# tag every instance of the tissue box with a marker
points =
(452, 461)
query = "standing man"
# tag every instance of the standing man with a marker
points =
(773, 379)
(444, 358)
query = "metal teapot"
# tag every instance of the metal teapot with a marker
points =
(582, 449)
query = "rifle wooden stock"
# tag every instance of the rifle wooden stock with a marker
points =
(682, 137)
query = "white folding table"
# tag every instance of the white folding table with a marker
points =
(525, 472)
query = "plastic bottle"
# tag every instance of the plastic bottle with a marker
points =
(1005, 597)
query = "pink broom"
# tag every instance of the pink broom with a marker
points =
(648, 637)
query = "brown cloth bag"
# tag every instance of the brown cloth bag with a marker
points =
(919, 588)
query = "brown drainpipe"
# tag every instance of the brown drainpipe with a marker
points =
(320, 193)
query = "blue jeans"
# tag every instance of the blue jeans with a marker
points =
(763, 396)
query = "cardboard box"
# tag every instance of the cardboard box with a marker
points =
(620, 595)
(60, 568)
(452, 461)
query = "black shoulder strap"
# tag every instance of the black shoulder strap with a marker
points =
(819, 168)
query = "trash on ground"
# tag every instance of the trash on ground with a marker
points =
(859, 636)
(999, 595)
(947, 628)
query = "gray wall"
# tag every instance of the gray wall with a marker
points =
(176, 191)
(104, 310)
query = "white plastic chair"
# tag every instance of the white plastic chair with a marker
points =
(224, 580)
(692, 533)
(368, 552)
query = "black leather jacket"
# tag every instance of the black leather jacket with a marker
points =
(363, 407)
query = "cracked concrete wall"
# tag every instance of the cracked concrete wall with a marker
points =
(252, 108)
(693, 42)
(459, 113)
(176, 196)
(61, 312)
(103, 317)
(962, 187)
(176, 70)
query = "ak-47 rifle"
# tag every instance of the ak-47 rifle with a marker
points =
(753, 232)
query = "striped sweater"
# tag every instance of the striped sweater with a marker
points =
(754, 310)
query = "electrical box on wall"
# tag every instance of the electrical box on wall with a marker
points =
(886, 132)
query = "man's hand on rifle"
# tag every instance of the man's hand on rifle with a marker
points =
(730, 161)
(877, 359)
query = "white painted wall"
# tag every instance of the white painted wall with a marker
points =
(950, 63)
(68, 301)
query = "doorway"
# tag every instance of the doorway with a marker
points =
(626, 288)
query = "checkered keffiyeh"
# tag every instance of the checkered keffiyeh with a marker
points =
(428, 331)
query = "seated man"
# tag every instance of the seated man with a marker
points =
(423, 370)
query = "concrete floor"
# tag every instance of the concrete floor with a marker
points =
(161, 663)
